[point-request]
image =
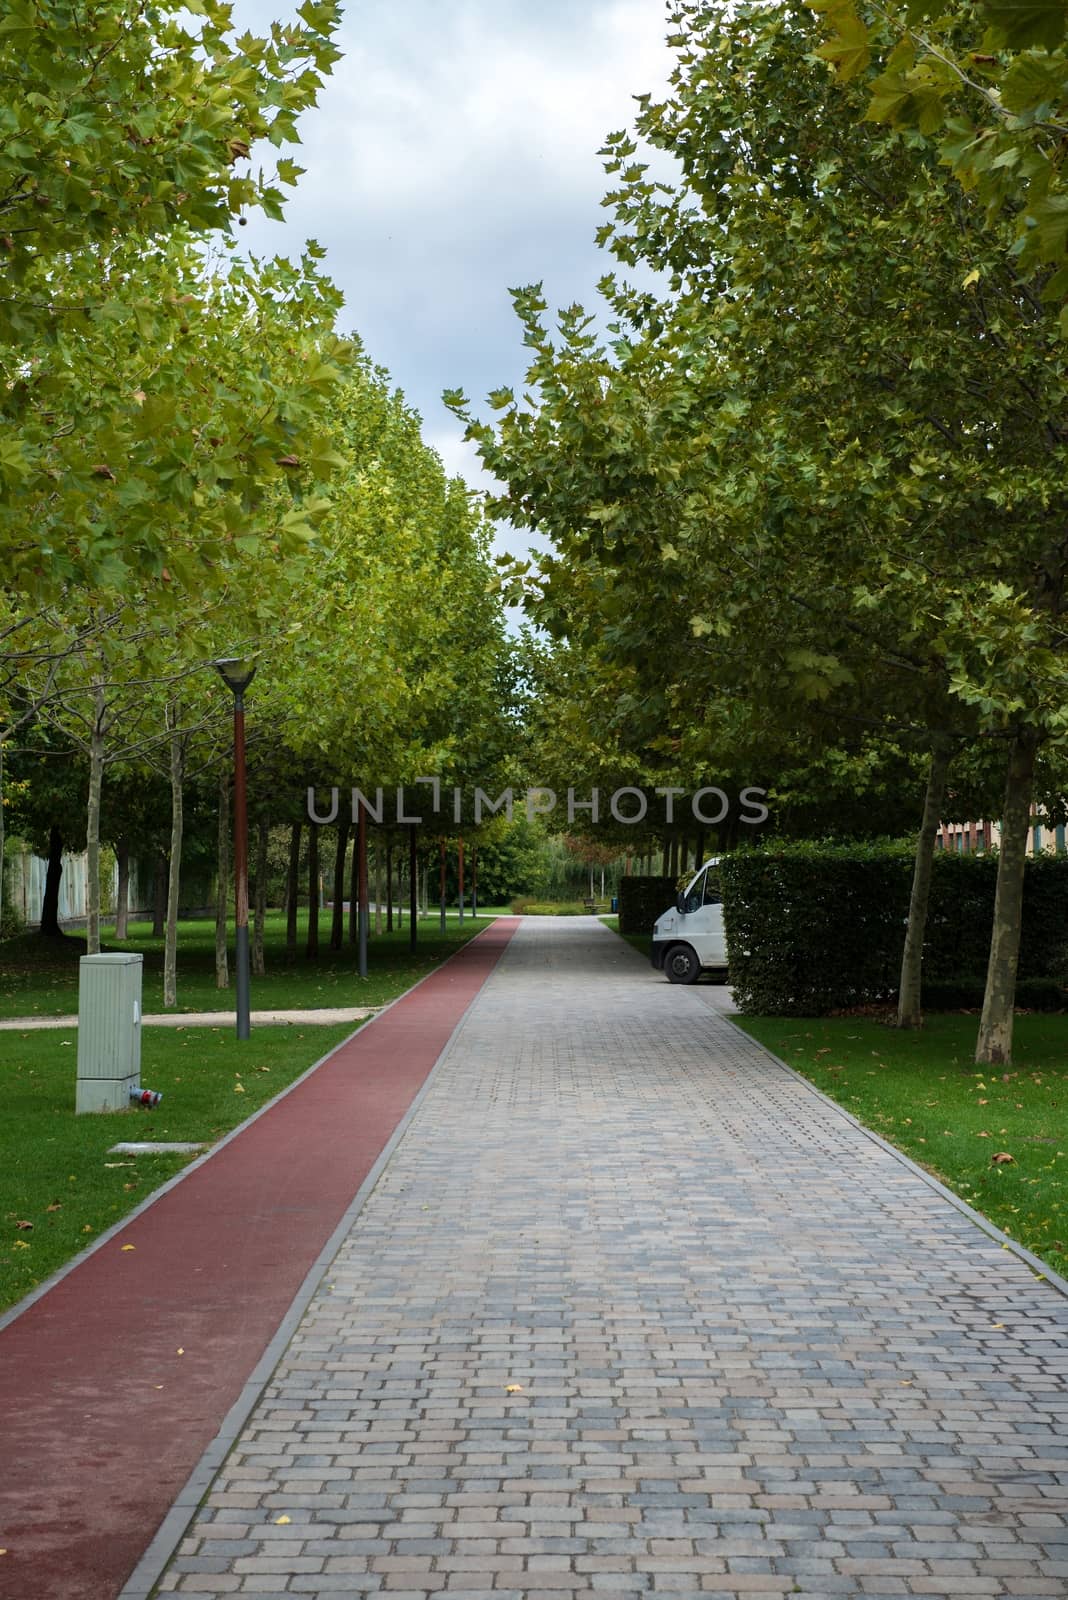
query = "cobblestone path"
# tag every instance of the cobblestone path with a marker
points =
(632, 1310)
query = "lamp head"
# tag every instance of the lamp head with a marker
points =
(237, 672)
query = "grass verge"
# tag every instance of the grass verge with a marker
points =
(40, 976)
(642, 942)
(56, 1172)
(923, 1092)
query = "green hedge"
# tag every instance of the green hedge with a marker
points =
(642, 900)
(817, 928)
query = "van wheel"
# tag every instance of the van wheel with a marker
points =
(681, 964)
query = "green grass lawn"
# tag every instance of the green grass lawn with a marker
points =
(39, 977)
(55, 1169)
(642, 942)
(923, 1092)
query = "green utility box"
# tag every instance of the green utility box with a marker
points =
(109, 1031)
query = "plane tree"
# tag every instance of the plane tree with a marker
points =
(825, 445)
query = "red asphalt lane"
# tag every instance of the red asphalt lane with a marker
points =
(93, 1451)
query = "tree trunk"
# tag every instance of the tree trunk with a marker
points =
(337, 922)
(259, 909)
(994, 1045)
(122, 889)
(53, 873)
(222, 884)
(170, 941)
(312, 945)
(1, 833)
(159, 895)
(354, 895)
(909, 1010)
(293, 887)
(92, 827)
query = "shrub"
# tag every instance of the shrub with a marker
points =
(966, 994)
(642, 900)
(813, 928)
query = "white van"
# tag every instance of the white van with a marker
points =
(690, 938)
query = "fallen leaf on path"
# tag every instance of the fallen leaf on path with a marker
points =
(513, 1388)
(280, 1522)
(129, 1247)
(181, 1350)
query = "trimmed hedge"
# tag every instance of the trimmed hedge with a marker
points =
(813, 928)
(642, 900)
(966, 994)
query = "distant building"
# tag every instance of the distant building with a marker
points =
(971, 837)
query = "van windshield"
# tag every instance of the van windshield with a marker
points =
(705, 891)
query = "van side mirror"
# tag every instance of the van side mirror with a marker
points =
(680, 903)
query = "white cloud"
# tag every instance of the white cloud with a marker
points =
(453, 154)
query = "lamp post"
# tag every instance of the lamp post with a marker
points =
(237, 674)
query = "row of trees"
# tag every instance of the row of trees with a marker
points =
(193, 462)
(806, 493)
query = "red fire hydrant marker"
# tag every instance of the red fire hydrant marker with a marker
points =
(113, 1384)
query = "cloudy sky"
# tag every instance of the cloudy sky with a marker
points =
(454, 154)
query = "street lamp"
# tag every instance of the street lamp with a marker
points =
(237, 674)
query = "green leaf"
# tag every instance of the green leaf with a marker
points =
(1027, 22)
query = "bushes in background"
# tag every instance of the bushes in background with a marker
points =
(813, 928)
(642, 900)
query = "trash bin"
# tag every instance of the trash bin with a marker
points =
(615, 902)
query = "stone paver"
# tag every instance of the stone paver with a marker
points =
(633, 1312)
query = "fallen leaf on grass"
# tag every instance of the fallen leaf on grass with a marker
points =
(24, 1227)
(1001, 1158)
(57, 1205)
(239, 1088)
(983, 1135)
(21, 1244)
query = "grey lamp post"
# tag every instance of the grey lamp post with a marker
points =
(237, 674)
